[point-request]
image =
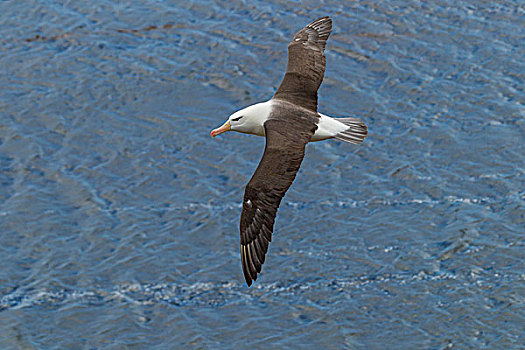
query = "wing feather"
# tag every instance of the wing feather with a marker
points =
(286, 139)
(306, 64)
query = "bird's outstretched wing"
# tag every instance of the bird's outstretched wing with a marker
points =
(286, 139)
(306, 64)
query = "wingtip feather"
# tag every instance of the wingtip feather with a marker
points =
(245, 269)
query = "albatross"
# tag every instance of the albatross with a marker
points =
(289, 120)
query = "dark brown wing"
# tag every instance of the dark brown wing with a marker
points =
(286, 139)
(306, 65)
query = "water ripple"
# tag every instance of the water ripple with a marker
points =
(223, 293)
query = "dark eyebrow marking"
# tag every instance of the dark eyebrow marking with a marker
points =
(235, 119)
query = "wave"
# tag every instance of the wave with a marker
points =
(221, 293)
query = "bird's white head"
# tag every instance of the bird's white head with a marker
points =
(249, 120)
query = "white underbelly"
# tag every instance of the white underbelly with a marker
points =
(327, 128)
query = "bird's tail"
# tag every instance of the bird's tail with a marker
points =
(356, 132)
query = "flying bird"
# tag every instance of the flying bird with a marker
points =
(289, 120)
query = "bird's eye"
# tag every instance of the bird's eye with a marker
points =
(236, 119)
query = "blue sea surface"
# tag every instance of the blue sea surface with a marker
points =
(119, 214)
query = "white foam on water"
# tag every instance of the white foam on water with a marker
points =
(221, 293)
(218, 207)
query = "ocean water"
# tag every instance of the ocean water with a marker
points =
(119, 214)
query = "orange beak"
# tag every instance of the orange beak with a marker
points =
(225, 127)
